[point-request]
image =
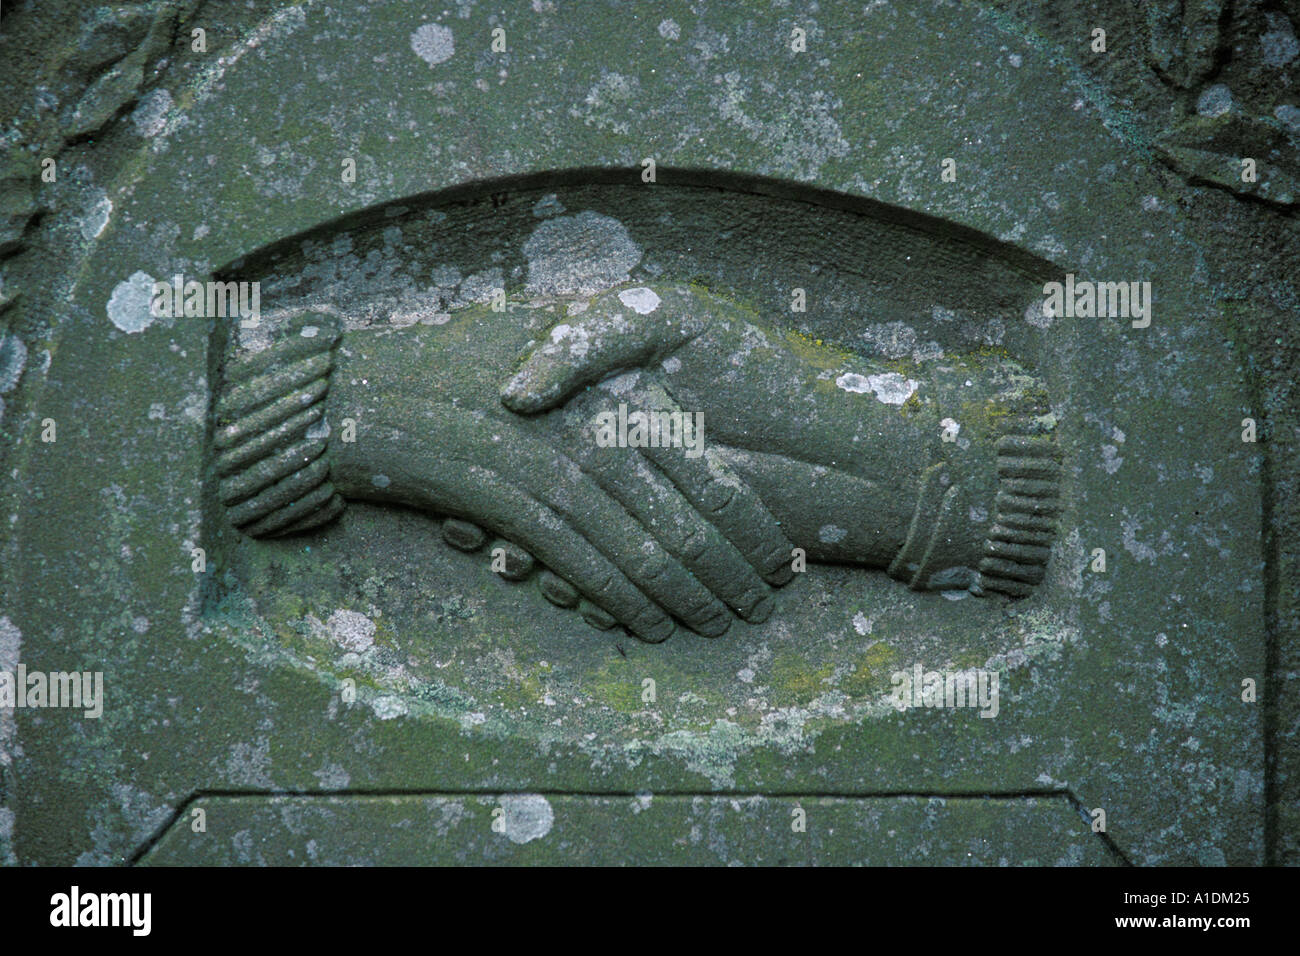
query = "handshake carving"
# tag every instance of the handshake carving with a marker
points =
(665, 454)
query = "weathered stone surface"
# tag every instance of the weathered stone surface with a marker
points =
(519, 829)
(366, 655)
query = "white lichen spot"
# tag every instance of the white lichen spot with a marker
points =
(897, 339)
(1140, 550)
(11, 641)
(640, 300)
(380, 481)
(548, 205)
(862, 624)
(570, 338)
(1111, 459)
(195, 406)
(671, 364)
(433, 43)
(949, 429)
(248, 764)
(333, 776)
(93, 223)
(831, 534)
(13, 359)
(351, 630)
(527, 816)
(890, 387)
(150, 116)
(1288, 116)
(669, 30)
(799, 135)
(1215, 101)
(7, 836)
(579, 255)
(386, 708)
(622, 384)
(480, 287)
(608, 105)
(1279, 45)
(128, 306)
(1038, 314)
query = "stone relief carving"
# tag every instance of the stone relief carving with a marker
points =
(666, 454)
(143, 149)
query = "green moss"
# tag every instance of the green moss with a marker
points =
(707, 285)
(871, 672)
(984, 418)
(622, 695)
(794, 680)
(817, 353)
(384, 636)
(522, 692)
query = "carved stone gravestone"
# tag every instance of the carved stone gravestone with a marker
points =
(543, 433)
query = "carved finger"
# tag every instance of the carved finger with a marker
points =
(619, 330)
(540, 472)
(511, 561)
(661, 508)
(595, 616)
(452, 485)
(717, 492)
(557, 590)
(555, 480)
(462, 535)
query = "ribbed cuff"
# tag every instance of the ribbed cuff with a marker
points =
(1028, 507)
(270, 435)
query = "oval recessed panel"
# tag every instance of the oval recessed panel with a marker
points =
(346, 426)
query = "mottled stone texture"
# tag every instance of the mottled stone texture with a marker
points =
(654, 830)
(380, 651)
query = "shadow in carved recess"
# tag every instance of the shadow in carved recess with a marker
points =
(669, 449)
